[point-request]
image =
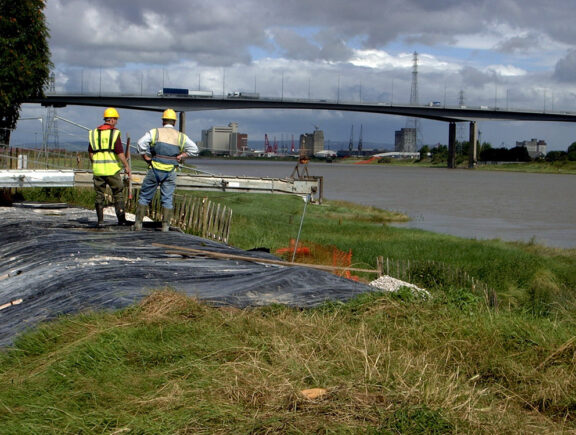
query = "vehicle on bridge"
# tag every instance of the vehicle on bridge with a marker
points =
(253, 95)
(179, 92)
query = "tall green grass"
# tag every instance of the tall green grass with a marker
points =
(388, 364)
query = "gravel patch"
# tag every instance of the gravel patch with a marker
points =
(389, 284)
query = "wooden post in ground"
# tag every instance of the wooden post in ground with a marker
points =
(380, 265)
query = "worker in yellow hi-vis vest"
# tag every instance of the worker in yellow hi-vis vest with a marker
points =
(163, 149)
(108, 159)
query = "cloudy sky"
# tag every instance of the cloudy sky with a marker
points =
(504, 53)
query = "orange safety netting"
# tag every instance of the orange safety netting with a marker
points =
(314, 253)
(365, 162)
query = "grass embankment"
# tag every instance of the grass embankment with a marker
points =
(523, 275)
(388, 363)
(558, 167)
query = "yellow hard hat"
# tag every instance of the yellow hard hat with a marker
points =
(110, 112)
(169, 114)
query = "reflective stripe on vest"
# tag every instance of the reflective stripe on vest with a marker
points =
(166, 144)
(104, 160)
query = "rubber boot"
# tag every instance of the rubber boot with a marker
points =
(120, 212)
(166, 218)
(140, 213)
(100, 213)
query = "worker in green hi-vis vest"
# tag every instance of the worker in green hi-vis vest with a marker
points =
(108, 158)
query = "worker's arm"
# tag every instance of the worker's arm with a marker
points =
(90, 152)
(190, 150)
(124, 161)
(119, 150)
(144, 147)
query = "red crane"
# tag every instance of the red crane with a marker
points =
(267, 147)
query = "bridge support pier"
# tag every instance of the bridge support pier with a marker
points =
(182, 122)
(473, 151)
(452, 145)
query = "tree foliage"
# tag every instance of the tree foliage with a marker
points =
(556, 156)
(571, 152)
(560, 156)
(25, 55)
(516, 154)
(439, 154)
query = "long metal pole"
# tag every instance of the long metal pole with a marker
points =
(72, 122)
(300, 229)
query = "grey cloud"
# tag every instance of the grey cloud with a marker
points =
(429, 39)
(554, 18)
(472, 77)
(565, 70)
(427, 5)
(323, 46)
(333, 47)
(424, 26)
(221, 32)
(152, 32)
(295, 46)
(520, 44)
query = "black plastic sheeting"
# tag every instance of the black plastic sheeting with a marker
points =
(54, 262)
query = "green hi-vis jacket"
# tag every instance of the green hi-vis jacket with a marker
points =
(104, 161)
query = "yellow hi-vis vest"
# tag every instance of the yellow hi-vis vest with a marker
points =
(104, 161)
(165, 146)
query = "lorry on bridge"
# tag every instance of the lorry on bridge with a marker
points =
(253, 95)
(179, 92)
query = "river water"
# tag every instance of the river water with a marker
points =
(473, 204)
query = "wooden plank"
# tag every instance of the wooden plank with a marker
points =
(174, 249)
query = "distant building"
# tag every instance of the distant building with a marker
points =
(536, 148)
(225, 140)
(311, 143)
(405, 140)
